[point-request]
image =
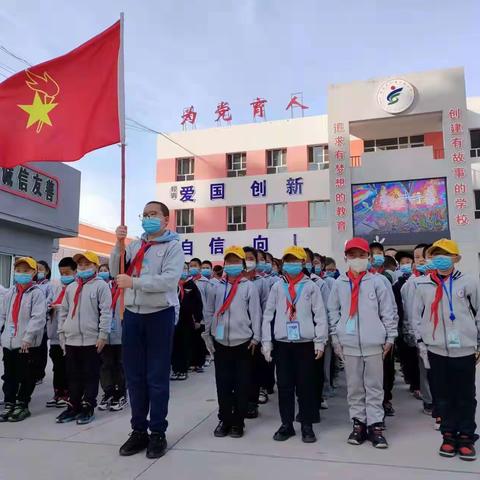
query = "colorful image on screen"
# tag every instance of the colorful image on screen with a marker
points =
(401, 208)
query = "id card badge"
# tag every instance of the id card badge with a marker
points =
(453, 339)
(351, 325)
(113, 326)
(293, 331)
(12, 330)
(220, 332)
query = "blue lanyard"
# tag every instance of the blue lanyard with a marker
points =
(225, 295)
(449, 296)
(298, 292)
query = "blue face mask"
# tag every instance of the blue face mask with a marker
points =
(442, 262)
(184, 275)
(369, 265)
(194, 271)
(268, 268)
(104, 276)
(406, 269)
(422, 268)
(330, 274)
(318, 269)
(233, 270)
(207, 272)
(308, 266)
(85, 274)
(274, 274)
(67, 279)
(23, 278)
(152, 225)
(292, 269)
(378, 260)
(40, 276)
(261, 266)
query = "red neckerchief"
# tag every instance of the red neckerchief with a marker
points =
(59, 299)
(78, 291)
(436, 301)
(197, 277)
(230, 296)
(115, 291)
(416, 272)
(181, 286)
(355, 283)
(377, 269)
(250, 275)
(292, 282)
(21, 289)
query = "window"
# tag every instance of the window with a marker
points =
(276, 161)
(475, 143)
(318, 211)
(185, 169)
(277, 215)
(5, 270)
(394, 143)
(318, 157)
(236, 164)
(236, 218)
(184, 220)
(477, 203)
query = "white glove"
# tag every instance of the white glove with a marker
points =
(61, 340)
(207, 338)
(267, 351)
(423, 354)
(338, 350)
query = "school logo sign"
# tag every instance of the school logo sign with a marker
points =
(395, 96)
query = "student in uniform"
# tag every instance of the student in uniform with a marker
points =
(232, 331)
(190, 316)
(299, 338)
(68, 271)
(22, 317)
(207, 269)
(84, 325)
(217, 274)
(446, 320)
(44, 274)
(363, 330)
(112, 377)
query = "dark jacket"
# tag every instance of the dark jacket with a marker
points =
(191, 306)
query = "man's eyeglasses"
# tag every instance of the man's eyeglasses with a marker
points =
(143, 216)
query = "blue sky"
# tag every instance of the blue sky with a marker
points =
(200, 52)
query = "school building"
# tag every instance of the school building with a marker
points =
(396, 159)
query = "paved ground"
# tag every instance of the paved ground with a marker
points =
(39, 448)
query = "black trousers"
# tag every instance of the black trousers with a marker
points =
(256, 376)
(112, 378)
(233, 366)
(20, 374)
(42, 357)
(453, 382)
(388, 376)
(60, 382)
(83, 370)
(295, 364)
(182, 348)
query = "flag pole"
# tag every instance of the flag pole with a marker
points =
(121, 115)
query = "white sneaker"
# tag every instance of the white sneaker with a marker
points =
(119, 404)
(105, 402)
(324, 405)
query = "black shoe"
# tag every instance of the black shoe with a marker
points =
(252, 411)
(68, 415)
(157, 445)
(359, 433)
(284, 433)
(236, 432)
(388, 408)
(222, 430)
(86, 415)
(308, 436)
(7, 412)
(137, 442)
(375, 435)
(20, 413)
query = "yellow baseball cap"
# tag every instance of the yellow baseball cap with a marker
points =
(449, 246)
(31, 262)
(235, 250)
(90, 256)
(297, 252)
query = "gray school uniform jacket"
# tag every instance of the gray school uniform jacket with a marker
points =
(466, 308)
(156, 287)
(374, 324)
(53, 314)
(263, 289)
(323, 286)
(31, 318)
(242, 321)
(408, 296)
(311, 314)
(115, 335)
(93, 318)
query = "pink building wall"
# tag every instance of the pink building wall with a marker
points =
(211, 166)
(166, 170)
(297, 159)
(256, 162)
(211, 219)
(298, 215)
(256, 217)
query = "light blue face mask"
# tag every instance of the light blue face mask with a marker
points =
(442, 262)
(330, 274)
(378, 260)
(85, 274)
(233, 270)
(184, 275)
(308, 266)
(194, 271)
(207, 272)
(406, 269)
(422, 268)
(369, 266)
(67, 279)
(268, 268)
(23, 278)
(104, 276)
(261, 266)
(40, 276)
(318, 269)
(293, 268)
(152, 225)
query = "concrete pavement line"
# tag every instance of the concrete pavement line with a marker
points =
(179, 440)
(345, 462)
(58, 440)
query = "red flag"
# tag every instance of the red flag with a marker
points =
(61, 109)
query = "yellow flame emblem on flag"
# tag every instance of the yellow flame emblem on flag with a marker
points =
(46, 90)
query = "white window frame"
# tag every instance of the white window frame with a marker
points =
(182, 226)
(474, 150)
(6, 276)
(235, 160)
(185, 168)
(232, 225)
(315, 222)
(272, 216)
(272, 166)
(396, 144)
(312, 163)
